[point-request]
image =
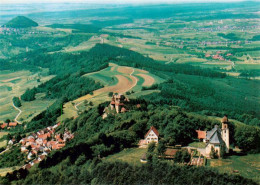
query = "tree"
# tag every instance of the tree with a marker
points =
(161, 148)
(247, 138)
(110, 94)
(150, 151)
(29, 95)
(17, 102)
(7, 120)
(222, 151)
(213, 153)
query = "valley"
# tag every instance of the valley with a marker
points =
(135, 89)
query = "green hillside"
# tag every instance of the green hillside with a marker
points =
(21, 22)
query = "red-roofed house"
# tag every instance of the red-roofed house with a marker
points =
(12, 124)
(151, 136)
(4, 125)
(170, 153)
(201, 134)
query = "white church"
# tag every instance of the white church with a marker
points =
(216, 138)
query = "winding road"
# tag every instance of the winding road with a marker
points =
(20, 111)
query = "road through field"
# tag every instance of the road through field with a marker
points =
(20, 111)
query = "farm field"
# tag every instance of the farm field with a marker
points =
(129, 155)
(33, 108)
(117, 79)
(247, 166)
(14, 84)
(4, 171)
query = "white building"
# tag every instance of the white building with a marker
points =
(218, 138)
(151, 136)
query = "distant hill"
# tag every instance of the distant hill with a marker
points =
(21, 22)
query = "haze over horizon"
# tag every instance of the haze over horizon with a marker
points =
(113, 1)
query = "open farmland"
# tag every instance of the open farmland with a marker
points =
(117, 79)
(14, 84)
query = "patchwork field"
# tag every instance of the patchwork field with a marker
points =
(117, 79)
(14, 84)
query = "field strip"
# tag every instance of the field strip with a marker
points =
(122, 86)
(20, 111)
(133, 77)
(8, 80)
(148, 80)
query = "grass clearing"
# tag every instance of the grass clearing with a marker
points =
(198, 144)
(129, 155)
(4, 171)
(248, 166)
(4, 142)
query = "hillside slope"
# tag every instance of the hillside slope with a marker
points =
(21, 22)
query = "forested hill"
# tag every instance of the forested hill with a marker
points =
(20, 22)
(217, 95)
(83, 158)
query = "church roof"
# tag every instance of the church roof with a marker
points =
(214, 135)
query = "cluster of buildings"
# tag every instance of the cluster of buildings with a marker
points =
(216, 139)
(223, 28)
(19, 31)
(117, 104)
(38, 145)
(217, 56)
(8, 125)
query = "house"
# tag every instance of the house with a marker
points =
(201, 135)
(151, 136)
(12, 124)
(4, 125)
(218, 138)
(170, 153)
(27, 166)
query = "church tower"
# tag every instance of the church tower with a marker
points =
(225, 132)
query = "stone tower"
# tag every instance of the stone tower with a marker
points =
(225, 132)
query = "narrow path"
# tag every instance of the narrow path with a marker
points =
(20, 111)
(136, 79)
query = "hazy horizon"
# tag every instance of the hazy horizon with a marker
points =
(115, 1)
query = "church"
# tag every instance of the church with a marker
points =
(216, 138)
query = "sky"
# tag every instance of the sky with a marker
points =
(110, 1)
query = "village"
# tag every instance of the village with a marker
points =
(36, 146)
